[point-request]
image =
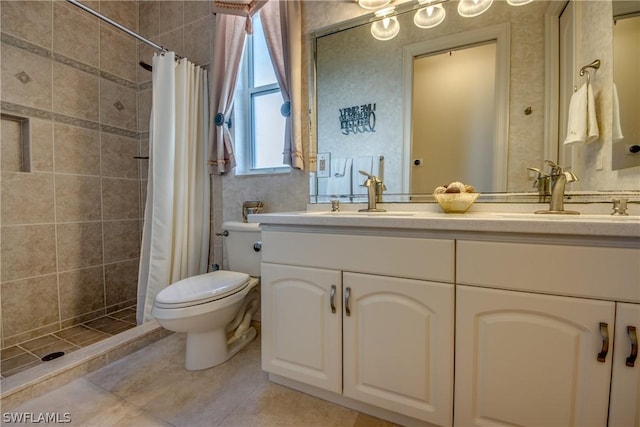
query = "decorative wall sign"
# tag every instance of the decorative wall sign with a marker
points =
(358, 119)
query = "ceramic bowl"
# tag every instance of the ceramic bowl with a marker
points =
(456, 202)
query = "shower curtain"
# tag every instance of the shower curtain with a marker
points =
(175, 237)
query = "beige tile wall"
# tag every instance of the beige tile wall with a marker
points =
(70, 228)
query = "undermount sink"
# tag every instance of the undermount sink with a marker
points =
(358, 213)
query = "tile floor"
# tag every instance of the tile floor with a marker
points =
(23, 356)
(151, 388)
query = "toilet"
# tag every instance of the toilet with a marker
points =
(215, 309)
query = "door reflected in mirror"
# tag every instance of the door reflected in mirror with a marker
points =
(453, 118)
(626, 80)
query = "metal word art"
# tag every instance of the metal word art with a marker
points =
(358, 119)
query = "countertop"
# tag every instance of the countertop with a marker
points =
(510, 219)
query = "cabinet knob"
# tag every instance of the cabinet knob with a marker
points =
(633, 337)
(604, 332)
(347, 301)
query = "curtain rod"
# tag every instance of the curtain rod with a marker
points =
(118, 26)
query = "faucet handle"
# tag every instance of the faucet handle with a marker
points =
(556, 169)
(368, 175)
(619, 207)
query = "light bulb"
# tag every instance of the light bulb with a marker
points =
(430, 16)
(373, 4)
(518, 2)
(386, 28)
(471, 8)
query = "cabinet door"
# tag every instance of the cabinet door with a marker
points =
(398, 345)
(530, 360)
(625, 381)
(301, 331)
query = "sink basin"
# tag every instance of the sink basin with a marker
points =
(357, 213)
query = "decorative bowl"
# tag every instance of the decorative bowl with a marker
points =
(456, 202)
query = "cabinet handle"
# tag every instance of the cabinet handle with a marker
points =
(347, 301)
(332, 298)
(631, 360)
(604, 332)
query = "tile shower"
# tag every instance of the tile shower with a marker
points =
(72, 191)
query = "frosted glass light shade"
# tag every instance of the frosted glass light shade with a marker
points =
(386, 28)
(471, 8)
(518, 2)
(430, 16)
(373, 4)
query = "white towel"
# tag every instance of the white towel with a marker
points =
(617, 127)
(582, 124)
(338, 185)
(338, 167)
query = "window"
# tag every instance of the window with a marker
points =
(259, 125)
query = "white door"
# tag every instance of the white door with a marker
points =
(398, 345)
(302, 322)
(531, 360)
(625, 381)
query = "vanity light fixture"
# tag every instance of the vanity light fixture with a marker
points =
(518, 2)
(471, 8)
(386, 28)
(373, 4)
(430, 15)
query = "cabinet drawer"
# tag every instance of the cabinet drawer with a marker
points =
(415, 258)
(595, 272)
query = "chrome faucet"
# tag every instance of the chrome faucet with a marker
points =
(375, 188)
(558, 179)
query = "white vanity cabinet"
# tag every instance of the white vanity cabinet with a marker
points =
(531, 360)
(624, 409)
(398, 345)
(302, 321)
(541, 337)
(358, 316)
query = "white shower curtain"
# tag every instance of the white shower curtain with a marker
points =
(175, 238)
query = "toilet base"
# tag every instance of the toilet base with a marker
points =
(208, 349)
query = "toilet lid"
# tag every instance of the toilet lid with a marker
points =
(201, 289)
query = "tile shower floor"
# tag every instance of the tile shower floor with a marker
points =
(23, 356)
(151, 388)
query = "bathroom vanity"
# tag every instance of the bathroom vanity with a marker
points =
(537, 315)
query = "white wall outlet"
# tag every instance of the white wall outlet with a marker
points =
(324, 165)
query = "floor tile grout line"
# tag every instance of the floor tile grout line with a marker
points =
(38, 359)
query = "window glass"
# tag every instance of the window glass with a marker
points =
(258, 124)
(269, 130)
(263, 73)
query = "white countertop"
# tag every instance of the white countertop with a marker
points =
(483, 218)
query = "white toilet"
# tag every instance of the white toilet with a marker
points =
(215, 309)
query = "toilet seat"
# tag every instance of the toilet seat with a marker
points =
(201, 289)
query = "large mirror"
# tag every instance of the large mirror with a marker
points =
(365, 90)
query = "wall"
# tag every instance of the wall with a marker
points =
(70, 228)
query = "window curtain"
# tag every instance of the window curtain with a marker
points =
(175, 236)
(230, 34)
(233, 23)
(281, 21)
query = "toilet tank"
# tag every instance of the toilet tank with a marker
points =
(240, 247)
